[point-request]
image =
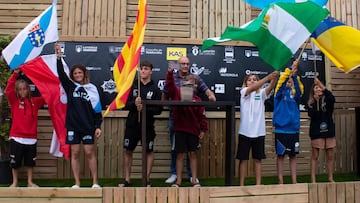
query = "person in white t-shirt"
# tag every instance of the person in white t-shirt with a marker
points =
(252, 122)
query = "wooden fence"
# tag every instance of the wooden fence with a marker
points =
(211, 160)
(296, 193)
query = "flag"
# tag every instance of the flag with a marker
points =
(264, 3)
(42, 71)
(279, 30)
(125, 65)
(29, 43)
(339, 42)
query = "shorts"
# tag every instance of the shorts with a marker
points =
(324, 143)
(133, 136)
(186, 142)
(74, 137)
(21, 152)
(287, 144)
(257, 146)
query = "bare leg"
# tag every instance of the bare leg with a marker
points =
(314, 159)
(179, 167)
(150, 162)
(293, 169)
(193, 166)
(15, 178)
(279, 166)
(92, 161)
(242, 169)
(29, 171)
(128, 162)
(75, 162)
(257, 163)
(330, 164)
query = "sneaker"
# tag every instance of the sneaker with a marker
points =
(75, 186)
(95, 186)
(171, 179)
(197, 180)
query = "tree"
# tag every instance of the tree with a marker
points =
(4, 106)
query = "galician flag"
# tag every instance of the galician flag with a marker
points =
(126, 63)
(264, 3)
(29, 43)
(278, 31)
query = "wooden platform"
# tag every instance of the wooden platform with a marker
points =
(313, 193)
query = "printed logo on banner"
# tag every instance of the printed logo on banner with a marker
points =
(255, 72)
(310, 74)
(196, 70)
(90, 68)
(173, 53)
(249, 53)
(304, 56)
(161, 84)
(114, 49)
(224, 73)
(84, 48)
(196, 51)
(229, 54)
(109, 86)
(219, 88)
(151, 51)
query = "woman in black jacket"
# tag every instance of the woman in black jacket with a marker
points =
(322, 127)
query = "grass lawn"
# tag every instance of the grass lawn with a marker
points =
(204, 182)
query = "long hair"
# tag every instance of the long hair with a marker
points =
(22, 81)
(247, 77)
(311, 99)
(86, 79)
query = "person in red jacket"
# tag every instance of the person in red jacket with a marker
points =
(23, 132)
(190, 125)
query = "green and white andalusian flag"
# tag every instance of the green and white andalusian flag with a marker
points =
(278, 31)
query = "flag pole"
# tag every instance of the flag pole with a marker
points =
(302, 50)
(139, 95)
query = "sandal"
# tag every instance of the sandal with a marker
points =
(175, 185)
(125, 183)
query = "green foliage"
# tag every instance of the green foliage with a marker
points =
(4, 107)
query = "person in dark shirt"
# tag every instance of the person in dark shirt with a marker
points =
(148, 90)
(83, 116)
(322, 128)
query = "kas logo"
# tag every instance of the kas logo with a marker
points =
(109, 86)
(174, 53)
(196, 70)
(36, 36)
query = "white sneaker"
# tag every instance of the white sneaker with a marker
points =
(197, 180)
(171, 179)
(95, 186)
(75, 186)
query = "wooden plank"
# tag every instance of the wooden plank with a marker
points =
(173, 195)
(84, 17)
(270, 199)
(141, 195)
(108, 194)
(161, 195)
(350, 192)
(119, 195)
(91, 19)
(340, 192)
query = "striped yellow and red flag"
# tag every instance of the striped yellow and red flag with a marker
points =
(126, 63)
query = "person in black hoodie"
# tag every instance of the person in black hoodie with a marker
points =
(148, 91)
(322, 127)
(83, 116)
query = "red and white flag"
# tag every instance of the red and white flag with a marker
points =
(42, 71)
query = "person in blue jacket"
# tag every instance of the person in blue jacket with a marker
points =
(286, 119)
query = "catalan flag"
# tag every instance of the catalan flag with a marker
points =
(339, 42)
(126, 63)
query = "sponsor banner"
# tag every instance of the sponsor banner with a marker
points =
(223, 68)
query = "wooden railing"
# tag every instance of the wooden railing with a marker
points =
(312, 193)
